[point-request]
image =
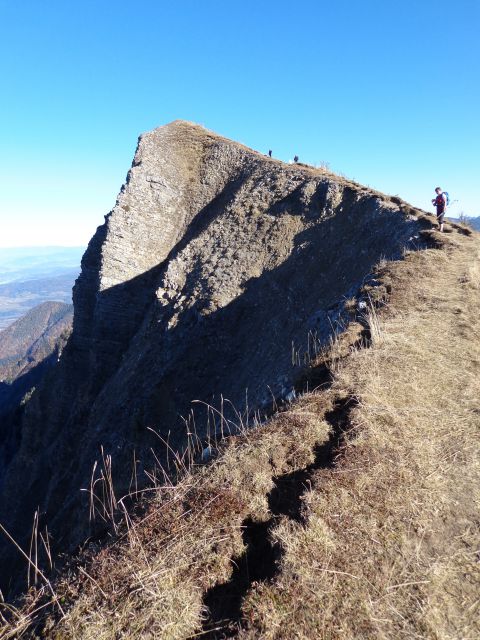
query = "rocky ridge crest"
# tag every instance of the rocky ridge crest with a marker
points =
(210, 279)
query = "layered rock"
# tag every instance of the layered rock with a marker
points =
(209, 280)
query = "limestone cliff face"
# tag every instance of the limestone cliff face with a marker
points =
(214, 265)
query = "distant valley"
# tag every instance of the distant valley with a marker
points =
(26, 345)
(30, 276)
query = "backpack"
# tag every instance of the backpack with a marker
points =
(445, 193)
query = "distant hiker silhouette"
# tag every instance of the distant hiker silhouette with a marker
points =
(440, 202)
(295, 159)
(269, 153)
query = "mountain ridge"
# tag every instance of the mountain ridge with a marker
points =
(215, 274)
(22, 339)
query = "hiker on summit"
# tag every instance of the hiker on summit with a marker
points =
(440, 202)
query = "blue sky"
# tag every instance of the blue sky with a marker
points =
(387, 92)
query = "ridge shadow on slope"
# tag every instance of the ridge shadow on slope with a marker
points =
(132, 292)
(209, 356)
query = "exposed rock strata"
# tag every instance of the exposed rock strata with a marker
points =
(215, 265)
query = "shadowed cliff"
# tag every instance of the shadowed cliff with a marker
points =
(29, 348)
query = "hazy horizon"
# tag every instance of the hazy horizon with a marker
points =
(66, 245)
(42, 246)
(32, 275)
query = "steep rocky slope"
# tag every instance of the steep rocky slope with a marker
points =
(214, 276)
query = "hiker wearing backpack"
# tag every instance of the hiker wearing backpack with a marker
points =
(440, 202)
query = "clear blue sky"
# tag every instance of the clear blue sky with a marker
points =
(385, 91)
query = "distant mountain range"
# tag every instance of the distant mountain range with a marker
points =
(30, 339)
(474, 222)
(26, 346)
(30, 276)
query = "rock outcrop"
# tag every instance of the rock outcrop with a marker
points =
(211, 278)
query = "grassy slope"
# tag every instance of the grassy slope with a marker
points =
(283, 536)
(389, 543)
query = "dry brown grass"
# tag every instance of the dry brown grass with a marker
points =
(150, 584)
(387, 542)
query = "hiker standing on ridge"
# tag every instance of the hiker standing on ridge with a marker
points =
(440, 202)
(269, 153)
